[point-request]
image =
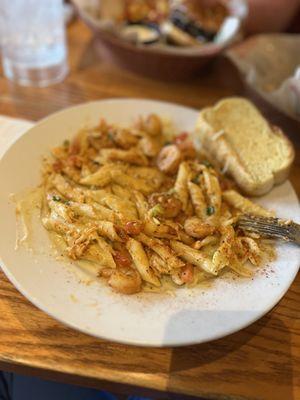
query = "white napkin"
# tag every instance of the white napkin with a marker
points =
(10, 130)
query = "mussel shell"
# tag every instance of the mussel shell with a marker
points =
(183, 22)
(177, 36)
(141, 33)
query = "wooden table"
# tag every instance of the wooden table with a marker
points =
(259, 362)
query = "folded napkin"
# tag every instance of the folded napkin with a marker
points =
(10, 130)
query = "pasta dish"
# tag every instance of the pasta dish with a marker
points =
(145, 208)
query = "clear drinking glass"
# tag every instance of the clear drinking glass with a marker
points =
(33, 41)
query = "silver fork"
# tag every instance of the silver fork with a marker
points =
(271, 227)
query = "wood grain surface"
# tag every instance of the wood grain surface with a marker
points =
(259, 362)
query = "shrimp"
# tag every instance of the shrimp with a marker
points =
(98, 137)
(105, 272)
(183, 275)
(150, 146)
(152, 125)
(171, 205)
(163, 230)
(176, 278)
(187, 273)
(122, 258)
(168, 159)
(185, 145)
(125, 281)
(196, 228)
(133, 227)
(123, 138)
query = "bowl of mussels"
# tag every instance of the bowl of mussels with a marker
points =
(164, 39)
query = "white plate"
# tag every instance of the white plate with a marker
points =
(192, 316)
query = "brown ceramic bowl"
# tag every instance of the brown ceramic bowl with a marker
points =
(160, 61)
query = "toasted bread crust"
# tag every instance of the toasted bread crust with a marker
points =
(220, 149)
(282, 174)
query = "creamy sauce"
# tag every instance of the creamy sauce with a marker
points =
(27, 206)
(29, 211)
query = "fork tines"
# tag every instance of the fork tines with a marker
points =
(270, 227)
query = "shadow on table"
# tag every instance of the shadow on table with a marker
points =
(241, 365)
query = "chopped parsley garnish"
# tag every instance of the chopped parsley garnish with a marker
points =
(171, 191)
(66, 143)
(196, 179)
(207, 163)
(167, 143)
(156, 211)
(210, 210)
(110, 136)
(58, 198)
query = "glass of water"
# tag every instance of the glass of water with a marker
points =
(33, 41)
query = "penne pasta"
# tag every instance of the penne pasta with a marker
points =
(132, 156)
(101, 178)
(252, 250)
(66, 189)
(181, 184)
(128, 181)
(143, 212)
(198, 200)
(213, 191)
(193, 256)
(140, 203)
(123, 208)
(165, 252)
(141, 261)
(236, 200)
(152, 175)
(158, 264)
(103, 212)
(101, 254)
(121, 191)
(107, 229)
(59, 208)
(225, 253)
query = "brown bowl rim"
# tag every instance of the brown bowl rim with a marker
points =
(207, 50)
